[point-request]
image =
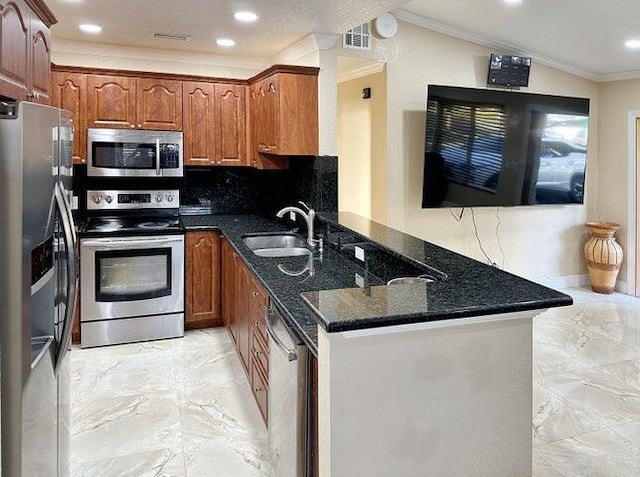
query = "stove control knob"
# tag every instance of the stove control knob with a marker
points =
(159, 198)
(97, 199)
(109, 199)
(169, 198)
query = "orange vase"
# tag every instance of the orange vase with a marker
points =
(604, 256)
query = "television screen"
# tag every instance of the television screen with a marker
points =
(499, 148)
(505, 70)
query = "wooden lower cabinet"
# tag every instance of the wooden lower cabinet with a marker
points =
(202, 280)
(243, 304)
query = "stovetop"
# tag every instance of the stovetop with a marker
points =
(132, 225)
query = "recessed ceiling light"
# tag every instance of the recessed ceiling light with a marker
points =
(226, 42)
(512, 2)
(91, 28)
(246, 17)
(633, 44)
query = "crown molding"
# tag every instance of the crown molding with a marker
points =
(105, 50)
(360, 71)
(482, 40)
(305, 46)
(627, 75)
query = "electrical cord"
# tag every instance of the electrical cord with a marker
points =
(498, 235)
(456, 218)
(475, 228)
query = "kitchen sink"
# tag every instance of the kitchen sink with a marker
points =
(277, 245)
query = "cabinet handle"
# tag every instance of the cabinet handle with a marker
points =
(140, 125)
(258, 353)
(133, 126)
(255, 294)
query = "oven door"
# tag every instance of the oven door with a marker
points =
(130, 277)
(117, 152)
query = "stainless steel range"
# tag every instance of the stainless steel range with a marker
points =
(131, 268)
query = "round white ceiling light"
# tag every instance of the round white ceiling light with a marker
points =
(225, 42)
(88, 28)
(633, 44)
(386, 25)
(245, 17)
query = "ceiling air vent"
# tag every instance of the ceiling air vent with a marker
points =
(164, 36)
(358, 38)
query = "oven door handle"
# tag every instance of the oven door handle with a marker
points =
(142, 242)
(157, 157)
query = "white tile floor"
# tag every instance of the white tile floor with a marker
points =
(184, 408)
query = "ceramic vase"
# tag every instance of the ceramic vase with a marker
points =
(604, 256)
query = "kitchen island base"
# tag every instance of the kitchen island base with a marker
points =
(447, 398)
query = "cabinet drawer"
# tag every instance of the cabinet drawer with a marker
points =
(260, 389)
(260, 353)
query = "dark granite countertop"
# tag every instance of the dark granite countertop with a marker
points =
(470, 289)
(332, 272)
(332, 298)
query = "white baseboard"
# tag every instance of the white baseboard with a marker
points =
(568, 281)
(573, 281)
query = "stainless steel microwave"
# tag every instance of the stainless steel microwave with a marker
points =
(123, 152)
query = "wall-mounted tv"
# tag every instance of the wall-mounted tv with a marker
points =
(499, 148)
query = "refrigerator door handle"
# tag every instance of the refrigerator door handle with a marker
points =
(72, 275)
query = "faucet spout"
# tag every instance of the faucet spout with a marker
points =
(309, 217)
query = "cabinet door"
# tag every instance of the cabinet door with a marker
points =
(198, 121)
(230, 122)
(40, 61)
(243, 328)
(111, 102)
(203, 280)
(15, 45)
(269, 141)
(69, 91)
(229, 288)
(159, 104)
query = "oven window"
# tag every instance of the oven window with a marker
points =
(128, 275)
(123, 155)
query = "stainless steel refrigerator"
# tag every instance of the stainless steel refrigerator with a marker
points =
(38, 288)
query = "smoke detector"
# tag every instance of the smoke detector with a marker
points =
(358, 38)
(386, 26)
(166, 36)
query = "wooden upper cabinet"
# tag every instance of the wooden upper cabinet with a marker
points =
(111, 102)
(69, 91)
(40, 61)
(230, 124)
(15, 45)
(25, 49)
(284, 115)
(203, 279)
(198, 123)
(159, 104)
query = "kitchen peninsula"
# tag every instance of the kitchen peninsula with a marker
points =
(432, 377)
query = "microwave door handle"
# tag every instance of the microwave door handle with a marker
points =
(72, 276)
(157, 157)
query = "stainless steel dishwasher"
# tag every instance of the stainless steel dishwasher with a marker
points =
(288, 361)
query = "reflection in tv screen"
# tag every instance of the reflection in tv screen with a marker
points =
(499, 148)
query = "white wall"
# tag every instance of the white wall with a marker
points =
(98, 55)
(362, 146)
(538, 242)
(617, 99)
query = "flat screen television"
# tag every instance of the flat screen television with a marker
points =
(499, 148)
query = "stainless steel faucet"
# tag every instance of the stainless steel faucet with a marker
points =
(309, 216)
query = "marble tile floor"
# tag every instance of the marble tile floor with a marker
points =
(166, 408)
(184, 408)
(586, 416)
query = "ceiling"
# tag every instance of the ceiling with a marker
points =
(587, 34)
(281, 23)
